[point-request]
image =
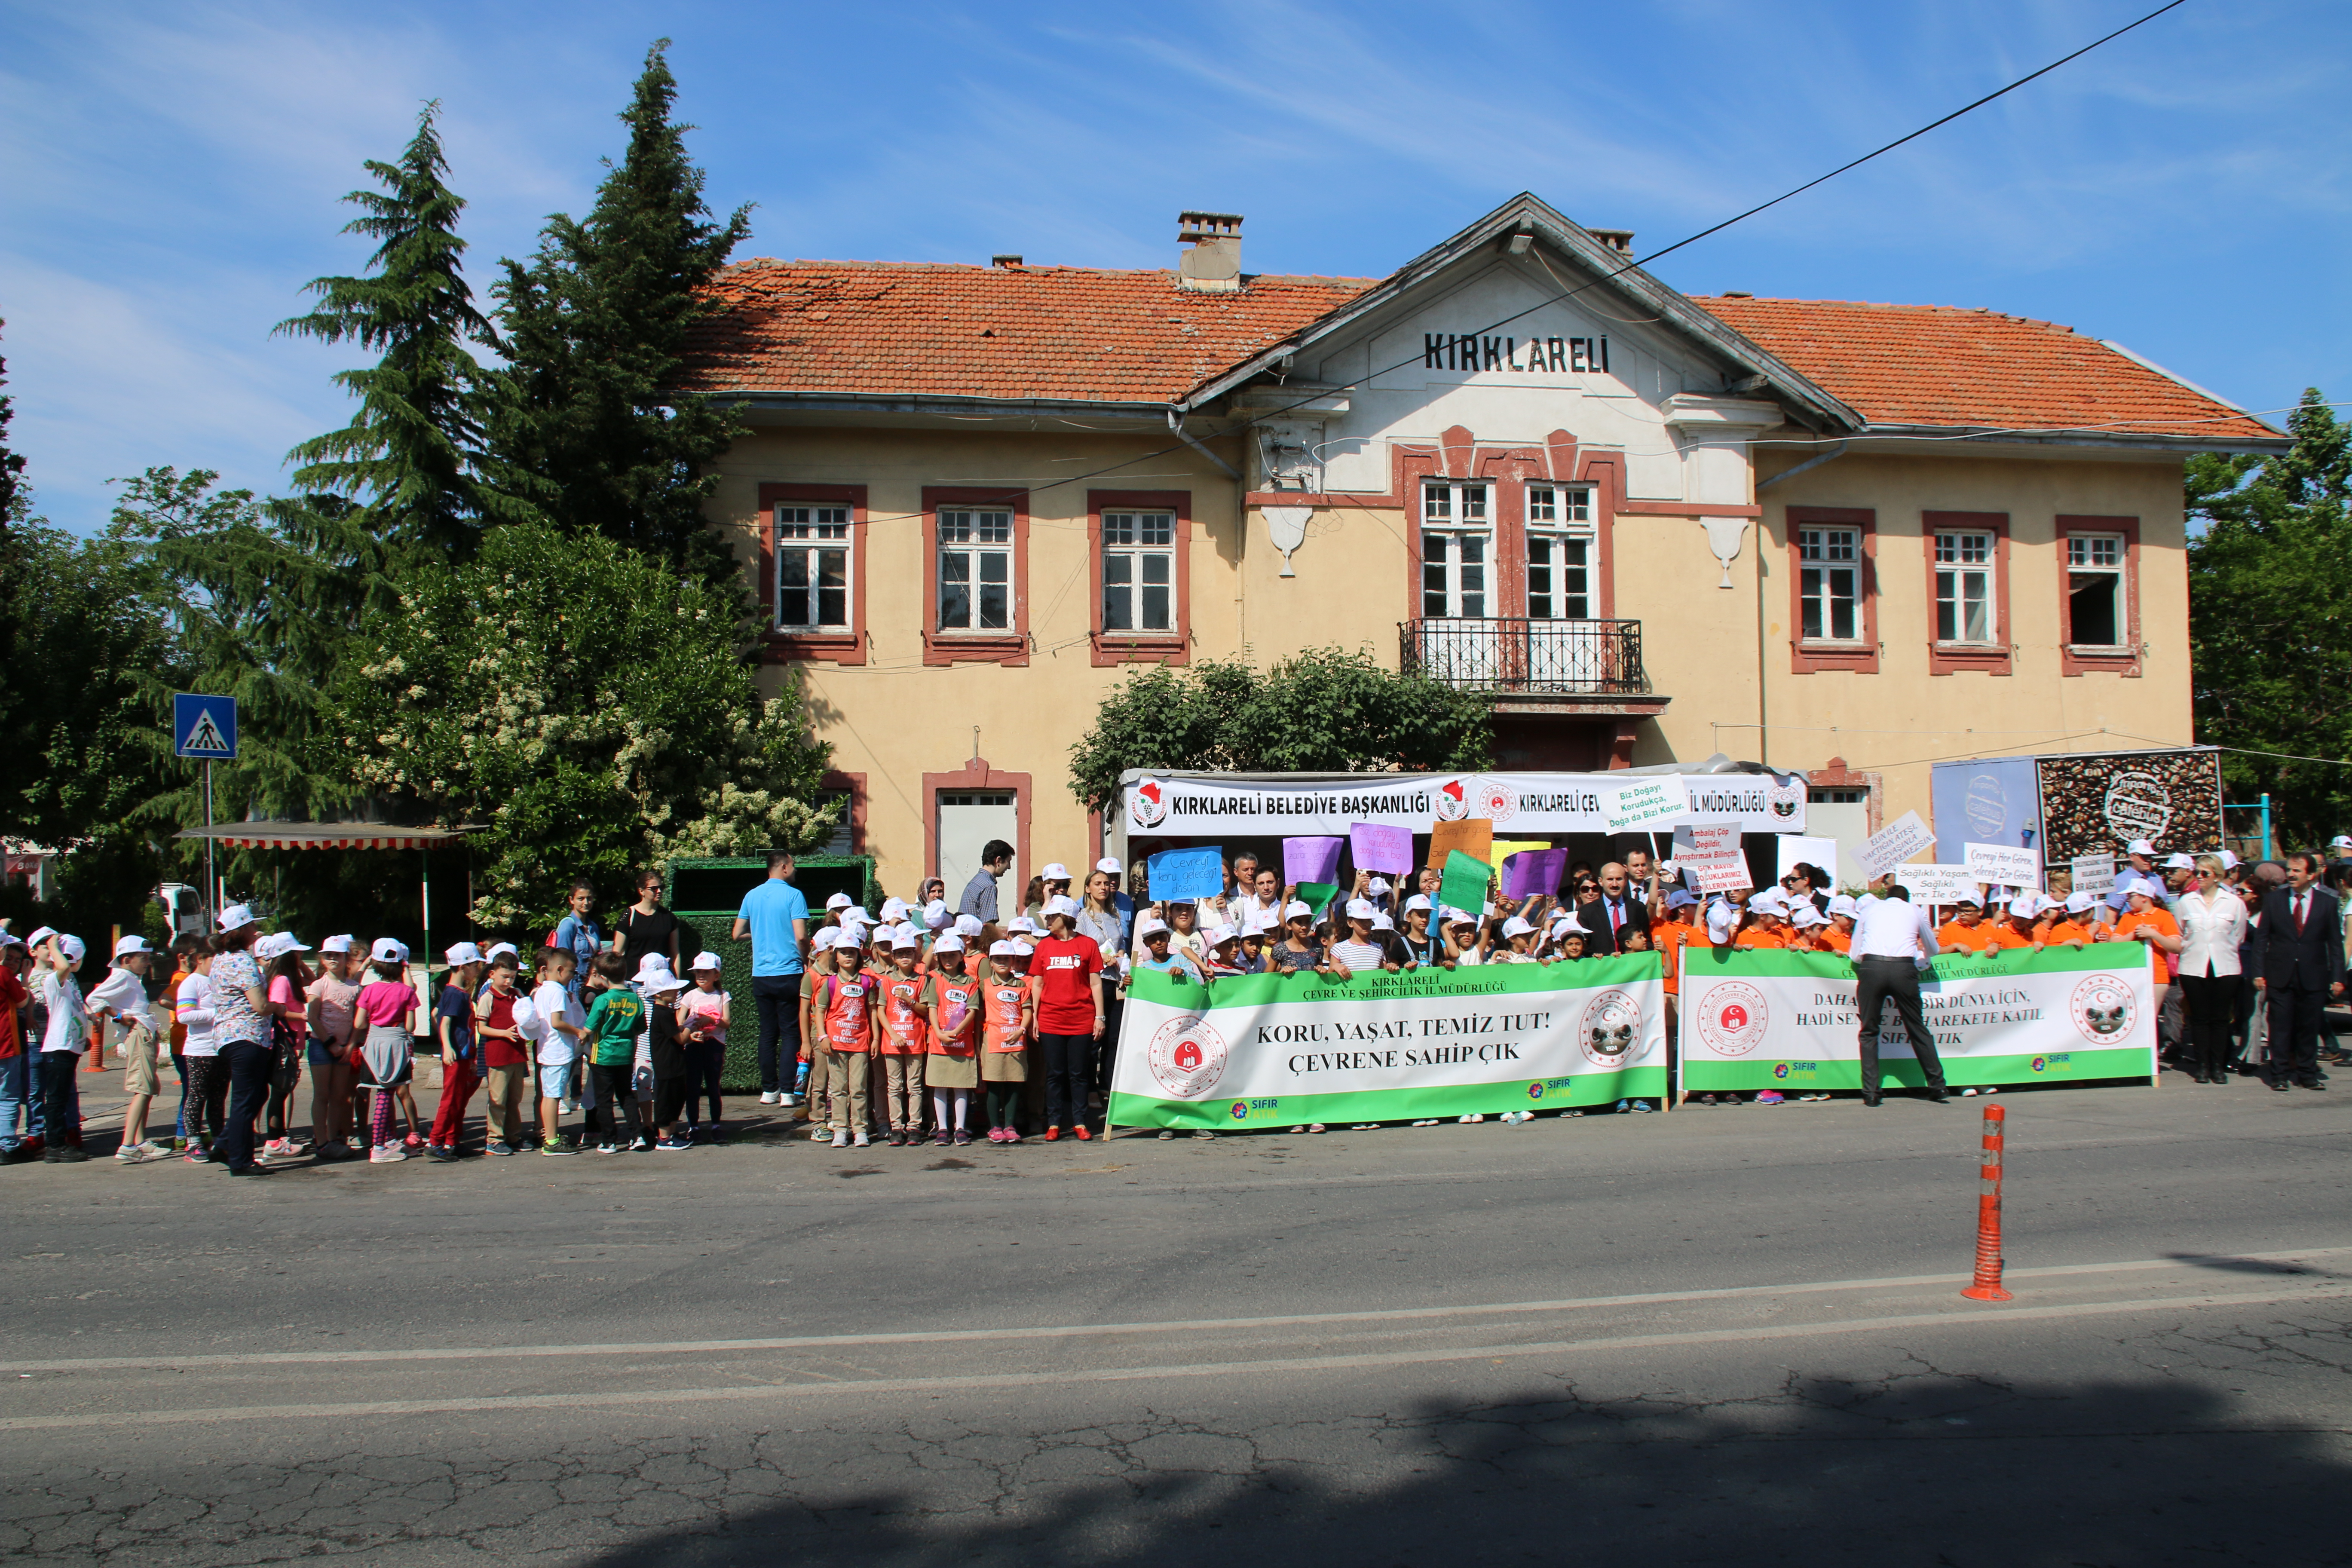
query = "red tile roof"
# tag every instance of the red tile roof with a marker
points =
(1088, 334)
(1934, 365)
(934, 330)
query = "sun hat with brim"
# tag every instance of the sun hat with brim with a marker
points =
(707, 961)
(2140, 847)
(1004, 949)
(276, 945)
(1515, 926)
(71, 946)
(131, 945)
(343, 943)
(1297, 910)
(462, 954)
(838, 902)
(1108, 863)
(237, 917)
(664, 985)
(40, 934)
(388, 951)
(949, 943)
(1056, 872)
(1148, 929)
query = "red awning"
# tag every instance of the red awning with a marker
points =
(324, 836)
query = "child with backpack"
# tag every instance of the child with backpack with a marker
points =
(702, 1017)
(613, 1015)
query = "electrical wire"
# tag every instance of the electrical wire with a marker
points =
(1633, 265)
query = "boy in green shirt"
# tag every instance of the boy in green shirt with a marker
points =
(614, 1017)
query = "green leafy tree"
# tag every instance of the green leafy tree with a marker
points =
(596, 327)
(585, 707)
(414, 456)
(1322, 711)
(2270, 619)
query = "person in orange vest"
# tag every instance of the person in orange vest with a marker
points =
(1965, 930)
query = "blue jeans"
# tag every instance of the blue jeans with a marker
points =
(13, 1106)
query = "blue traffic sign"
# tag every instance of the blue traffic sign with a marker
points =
(204, 726)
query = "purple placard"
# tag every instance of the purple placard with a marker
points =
(1533, 871)
(1381, 847)
(1306, 860)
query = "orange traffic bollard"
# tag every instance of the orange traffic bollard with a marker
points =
(1986, 1284)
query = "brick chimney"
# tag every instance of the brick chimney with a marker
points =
(1620, 240)
(1212, 264)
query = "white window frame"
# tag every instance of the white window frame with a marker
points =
(1568, 560)
(2084, 558)
(1560, 508)
(1966, 560)
(1825, 552)
(804, 532)
(1130, 553)
(1457, 549)
(974, 537)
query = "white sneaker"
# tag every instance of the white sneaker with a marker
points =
(387, 1154)
(769, 1097)
(841, 1137)
(862, 1142)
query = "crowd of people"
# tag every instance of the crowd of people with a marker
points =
(937, 1022)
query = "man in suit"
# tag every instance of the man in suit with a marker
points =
(2298, 964)
(1618, 911)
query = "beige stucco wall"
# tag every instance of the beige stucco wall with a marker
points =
(895, 719)
(1700, 641)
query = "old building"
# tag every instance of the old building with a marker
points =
(1849, 539)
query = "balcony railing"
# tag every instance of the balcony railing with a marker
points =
(1511, 653)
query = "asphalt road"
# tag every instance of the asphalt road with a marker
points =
(1714, 1336)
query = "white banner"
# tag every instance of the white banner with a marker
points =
(1929, 884)
(1267, 1050)
(1774, 1019)
(2095, 873)
(1194, 807)
(1709, 852)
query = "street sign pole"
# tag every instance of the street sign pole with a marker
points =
(212, 888)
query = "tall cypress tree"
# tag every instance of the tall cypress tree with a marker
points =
(414, 456)
(595, 330)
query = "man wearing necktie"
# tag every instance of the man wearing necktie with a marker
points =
(1617, 911)
(2298, 962)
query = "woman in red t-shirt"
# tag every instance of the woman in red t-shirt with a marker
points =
(1066, 987)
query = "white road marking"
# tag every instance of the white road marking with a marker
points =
(641, 1399)
(1082, 1330)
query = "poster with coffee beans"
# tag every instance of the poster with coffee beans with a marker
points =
(2098, 805)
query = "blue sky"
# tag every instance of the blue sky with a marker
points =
(170, 175)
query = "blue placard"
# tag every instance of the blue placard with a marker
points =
(1185, 874)
(204, 726)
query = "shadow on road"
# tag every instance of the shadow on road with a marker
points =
(1920, 1468)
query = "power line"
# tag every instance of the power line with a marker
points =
(1643, 261)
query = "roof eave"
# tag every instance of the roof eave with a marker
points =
(2142, 441)
(1154, 411)
(1638, 288)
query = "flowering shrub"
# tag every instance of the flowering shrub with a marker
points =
(590, 711)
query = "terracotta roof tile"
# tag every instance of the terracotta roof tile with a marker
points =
(1087, 335)
(945, 331)
(1935, 364)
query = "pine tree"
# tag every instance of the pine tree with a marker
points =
(595, 330)
(412, 457)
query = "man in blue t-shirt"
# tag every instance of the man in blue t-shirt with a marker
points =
(775, 916)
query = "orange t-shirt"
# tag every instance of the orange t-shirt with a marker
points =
(2161, 920)
(1756, 936)
(2006, 935)
(1977, 937)
(1669, 937)
(902, 1027)
(1832, 939)
(2065, 930)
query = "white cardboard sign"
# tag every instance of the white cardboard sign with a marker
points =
(1647, 802)
(1891, 845)
(2001, 864)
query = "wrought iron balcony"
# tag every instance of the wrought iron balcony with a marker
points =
(1513, 655)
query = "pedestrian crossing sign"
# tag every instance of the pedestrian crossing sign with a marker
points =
(204, 726)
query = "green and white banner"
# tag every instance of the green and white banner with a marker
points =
(1765, 1019)
(1268, 1050)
